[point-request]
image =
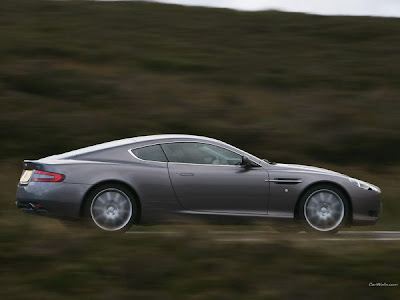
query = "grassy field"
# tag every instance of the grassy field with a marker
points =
(41, 260)
(288, 87)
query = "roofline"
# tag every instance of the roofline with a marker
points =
(126, 142)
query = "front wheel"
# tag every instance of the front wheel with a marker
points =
(112, 208)
(323, 208)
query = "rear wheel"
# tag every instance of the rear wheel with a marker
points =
(111, 207)
(323, 208)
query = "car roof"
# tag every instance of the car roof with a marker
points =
(160, 137)
(129, 141)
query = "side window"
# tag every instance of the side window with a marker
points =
(153, 153)
(199, 153)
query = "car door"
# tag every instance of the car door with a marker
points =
(207, 177)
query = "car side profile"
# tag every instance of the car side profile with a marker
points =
(154, 179)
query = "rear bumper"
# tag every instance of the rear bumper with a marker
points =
(57, 199)
(31, 208)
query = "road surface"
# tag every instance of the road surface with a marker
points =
(266, 236)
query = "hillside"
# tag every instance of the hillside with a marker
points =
(288, 87)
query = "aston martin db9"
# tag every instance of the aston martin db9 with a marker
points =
(152, 179)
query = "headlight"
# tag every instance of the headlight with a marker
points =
(364, 185)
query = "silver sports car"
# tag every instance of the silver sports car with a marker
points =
(152, 179)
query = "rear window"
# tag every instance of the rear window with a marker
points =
(153, 153)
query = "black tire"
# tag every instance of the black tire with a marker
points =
(323, 208)
(129, 200)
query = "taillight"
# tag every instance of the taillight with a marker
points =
(42, 176)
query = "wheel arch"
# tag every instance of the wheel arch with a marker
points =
(331, 183)
(111, 181)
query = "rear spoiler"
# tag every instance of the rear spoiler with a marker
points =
(32, 165)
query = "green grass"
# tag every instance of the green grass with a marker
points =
(43, 260)
(288, 87)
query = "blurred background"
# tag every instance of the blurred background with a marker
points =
(289, 87)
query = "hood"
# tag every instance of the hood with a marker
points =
(307, 169)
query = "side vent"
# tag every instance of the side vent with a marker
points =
(285, 180)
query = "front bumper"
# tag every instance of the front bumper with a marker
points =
(366, 208)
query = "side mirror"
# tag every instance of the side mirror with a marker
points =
(247, 163)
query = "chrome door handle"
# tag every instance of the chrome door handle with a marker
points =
(185, 174)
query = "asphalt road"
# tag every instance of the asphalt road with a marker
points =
(266, 236)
